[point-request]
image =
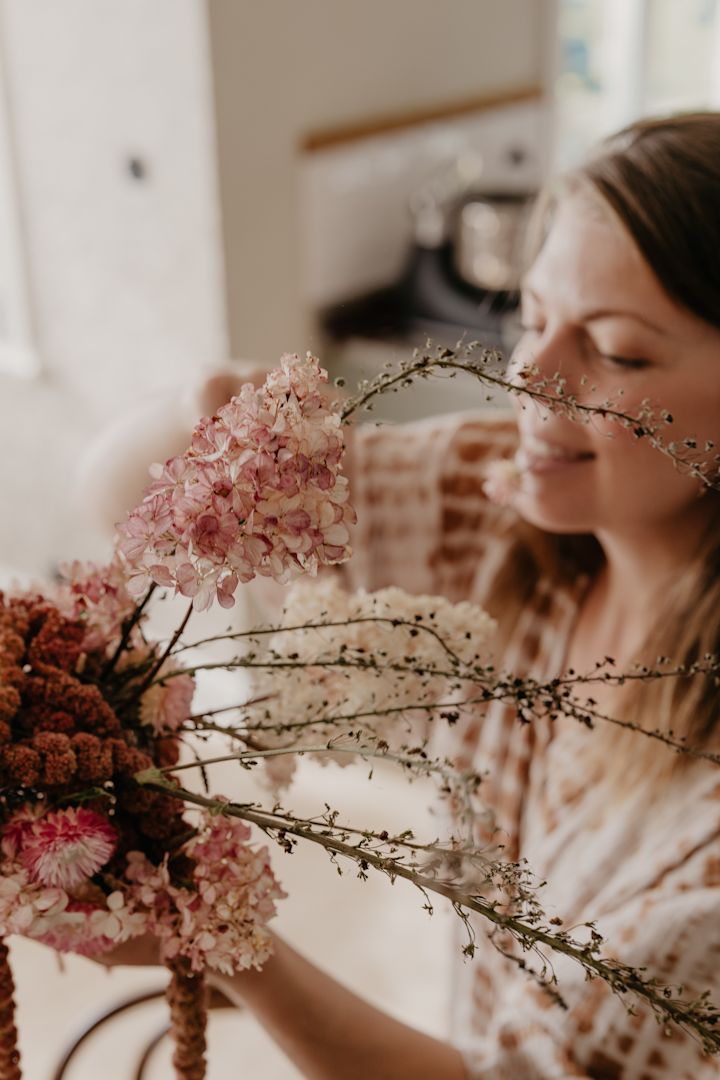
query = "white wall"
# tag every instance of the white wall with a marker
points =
(125, 275)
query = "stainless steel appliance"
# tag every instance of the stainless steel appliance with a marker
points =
(461, 275)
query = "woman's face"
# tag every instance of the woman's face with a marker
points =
(593, 312)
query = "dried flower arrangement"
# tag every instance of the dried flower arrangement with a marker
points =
(99, 840)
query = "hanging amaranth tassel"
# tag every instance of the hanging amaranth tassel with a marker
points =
(187, 998)
(9, 1053)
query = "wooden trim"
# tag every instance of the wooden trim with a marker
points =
(383, 125)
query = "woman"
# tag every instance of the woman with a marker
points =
(607, 550)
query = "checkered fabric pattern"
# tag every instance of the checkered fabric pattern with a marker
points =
(649, 875)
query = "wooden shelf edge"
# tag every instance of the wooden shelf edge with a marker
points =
(327, 138)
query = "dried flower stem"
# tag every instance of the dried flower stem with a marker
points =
(699, 1016)
(549, 392)
(531, 697)
(128, 627)
(148, 680)
(187, 999)
(379, 620)
(417, 762)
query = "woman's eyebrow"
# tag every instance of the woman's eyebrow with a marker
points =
(618, 313)
(602, 313)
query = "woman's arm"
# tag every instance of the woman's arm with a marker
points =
(328, 1032)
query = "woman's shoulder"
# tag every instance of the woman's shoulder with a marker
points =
(437, 446)
(485, 423)
(418, 491)
(445, 453)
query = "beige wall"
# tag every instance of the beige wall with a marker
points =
(285, 68)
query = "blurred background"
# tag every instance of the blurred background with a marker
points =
(189, 183)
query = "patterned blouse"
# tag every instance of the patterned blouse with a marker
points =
(649, 879)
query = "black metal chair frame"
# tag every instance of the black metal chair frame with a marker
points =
(217, 1000)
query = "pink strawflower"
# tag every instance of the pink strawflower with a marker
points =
(220, 922)
(66, 847)
(259, 491)
(503, 481)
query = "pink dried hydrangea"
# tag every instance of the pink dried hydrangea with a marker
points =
(64, 848)
(96, 594)
(23, 902)
(259, 491)
(50, 915)
(87, 929)
(222, 922)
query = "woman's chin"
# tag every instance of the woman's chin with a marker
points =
(556, 515)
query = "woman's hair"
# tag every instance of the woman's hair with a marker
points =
(661, 178)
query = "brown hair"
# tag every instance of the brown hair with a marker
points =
(661, 178)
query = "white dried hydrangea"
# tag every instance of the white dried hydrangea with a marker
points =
(366, 682)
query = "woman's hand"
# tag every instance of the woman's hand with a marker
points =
(143, 951)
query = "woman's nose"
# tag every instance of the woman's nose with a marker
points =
(547, 369)
(537, 356)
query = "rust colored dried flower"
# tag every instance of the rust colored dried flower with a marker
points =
(21, 765)
(13, 676)
(58, 642)
(59, 763)
(59, 690)
(27, 614)
(164, 818)
(127, 760)
(46, 718)
(9, 701)
(12, 646)
(94, 757)
(166, 752)
(14, 616)
(139, 802)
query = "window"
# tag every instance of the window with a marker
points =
(621, 59)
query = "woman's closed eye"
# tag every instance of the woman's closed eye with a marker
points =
(614, 360)
(630, 363)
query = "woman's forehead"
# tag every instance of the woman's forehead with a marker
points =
(589, 261)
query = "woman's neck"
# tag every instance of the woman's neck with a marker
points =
(631, 586)
(640, 566)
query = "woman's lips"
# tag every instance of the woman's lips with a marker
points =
(538, 456)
